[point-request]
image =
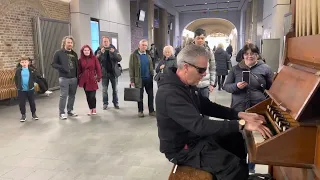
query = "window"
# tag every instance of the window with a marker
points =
(95, 31)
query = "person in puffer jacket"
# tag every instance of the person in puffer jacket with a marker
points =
(206, 85)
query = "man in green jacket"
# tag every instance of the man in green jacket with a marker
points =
(141, 75)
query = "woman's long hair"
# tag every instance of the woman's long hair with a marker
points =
(82, 54)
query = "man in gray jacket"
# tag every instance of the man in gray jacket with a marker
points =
(206, 85)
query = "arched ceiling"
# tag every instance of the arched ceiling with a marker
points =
(211, 25)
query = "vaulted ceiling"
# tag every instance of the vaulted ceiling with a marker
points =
(212, 25)
(185, 6)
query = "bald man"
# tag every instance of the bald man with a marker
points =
(141, 75)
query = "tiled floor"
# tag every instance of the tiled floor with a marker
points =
(114, 145)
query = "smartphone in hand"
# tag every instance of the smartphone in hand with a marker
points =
(246, 76)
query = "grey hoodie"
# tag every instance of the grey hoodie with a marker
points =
(211, 72)
(261, 77)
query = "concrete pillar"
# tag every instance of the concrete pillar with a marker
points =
(79, 26)
(254, 9)
(163, 29)
(248, 22)
(280, 8)
(171, 31)
(151, 21)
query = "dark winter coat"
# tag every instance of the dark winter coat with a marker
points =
(168, 63)
(229, 50)
(222, 58)
(114, 57)
(135, 68)
(89, 73)
(18, 79)
(261, 77)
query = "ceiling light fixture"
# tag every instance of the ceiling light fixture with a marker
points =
(205, 3)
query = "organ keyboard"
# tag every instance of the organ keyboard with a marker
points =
(292, 114)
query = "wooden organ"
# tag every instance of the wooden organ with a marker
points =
(292, 109)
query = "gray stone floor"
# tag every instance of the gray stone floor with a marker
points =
(114, 145)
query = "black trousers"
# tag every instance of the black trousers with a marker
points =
(221, 80)
(154, 62)
(147, 84)
(224, 157)
(23, 96)
(91, 99)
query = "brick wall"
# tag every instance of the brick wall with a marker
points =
(16, 35)
(136, 32)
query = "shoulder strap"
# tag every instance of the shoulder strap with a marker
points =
(262, 87)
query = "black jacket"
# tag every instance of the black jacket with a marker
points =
(180, 110)
(60, 62)
(18, 79)
(114, 57)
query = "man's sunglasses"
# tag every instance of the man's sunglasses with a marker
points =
(199, 69)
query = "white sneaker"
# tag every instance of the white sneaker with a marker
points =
(72, 114)
(48, 92)
(63, 116)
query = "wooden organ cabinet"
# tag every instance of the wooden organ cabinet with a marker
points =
(292, 110)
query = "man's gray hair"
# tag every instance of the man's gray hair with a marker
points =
(190, 53)
(142, 41)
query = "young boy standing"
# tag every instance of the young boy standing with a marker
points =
(24, 80)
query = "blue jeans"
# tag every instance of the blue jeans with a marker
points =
(105, 85)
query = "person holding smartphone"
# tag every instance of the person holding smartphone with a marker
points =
(247, 81)
(109, 58)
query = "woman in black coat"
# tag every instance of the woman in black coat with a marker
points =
(246, 95)
(221, 58)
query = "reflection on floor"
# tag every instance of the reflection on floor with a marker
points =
(114, 145)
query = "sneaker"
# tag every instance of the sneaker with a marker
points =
(48, 92)
(63, 116)
(35, 117)
(105, 106)
(116, 106)
(72, 114)
(94, 111)
(152, 113)
(23, 118)
(140, 114)
(90, 112)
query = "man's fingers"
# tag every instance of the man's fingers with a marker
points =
(268, 132)
(262, 132)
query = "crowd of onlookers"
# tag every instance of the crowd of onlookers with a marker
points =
(205, 71)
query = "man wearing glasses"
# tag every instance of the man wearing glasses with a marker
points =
(187, 136)
(206, 85)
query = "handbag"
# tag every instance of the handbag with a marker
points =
(132, 94)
